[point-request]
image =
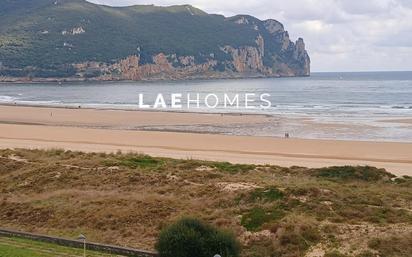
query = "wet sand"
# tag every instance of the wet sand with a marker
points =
(400, 121)
(117, 118)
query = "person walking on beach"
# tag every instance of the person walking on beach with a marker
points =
(286, 135)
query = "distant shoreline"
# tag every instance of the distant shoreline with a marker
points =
(240, 76)
(231, 76)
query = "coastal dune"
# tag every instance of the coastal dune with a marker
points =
(92, 131)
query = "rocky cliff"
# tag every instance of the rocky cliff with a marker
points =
(77, 40)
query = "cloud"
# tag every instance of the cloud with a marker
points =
(355, 34)
(401, 38)
(369, 7)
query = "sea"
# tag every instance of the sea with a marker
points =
(370, 106)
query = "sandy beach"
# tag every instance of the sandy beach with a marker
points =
(401, 121)
(117, 119)
(109, 131)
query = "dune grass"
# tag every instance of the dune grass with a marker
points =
(126, 199)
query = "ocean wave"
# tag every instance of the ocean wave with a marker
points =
(38, 103)
(401, 107)
(6, 99)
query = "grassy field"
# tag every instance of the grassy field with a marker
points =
(16, 247)
(125, 199)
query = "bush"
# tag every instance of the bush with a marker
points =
(233, 168)
(367, 254)
(269, 194)
(134, 161)
(140, 161)
(348, 173)
(193, 238)
(335, 254)
(392, 246)
(255, 218)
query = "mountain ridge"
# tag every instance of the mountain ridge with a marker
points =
(78, 40)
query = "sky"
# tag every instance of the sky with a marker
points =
(340, 35)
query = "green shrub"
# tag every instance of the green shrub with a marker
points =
(335, 254)
(366, 254)
(255, 218)
(269, 194)
(193, 238)
(142, 161)
(233, 168)
(396, 246)
(265, 195)
(347, 173)
(296, 234)
(134, 161)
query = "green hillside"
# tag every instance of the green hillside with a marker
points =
(54, 34)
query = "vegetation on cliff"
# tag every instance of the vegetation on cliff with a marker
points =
(62, 38)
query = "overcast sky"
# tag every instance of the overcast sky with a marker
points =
(340, 35)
